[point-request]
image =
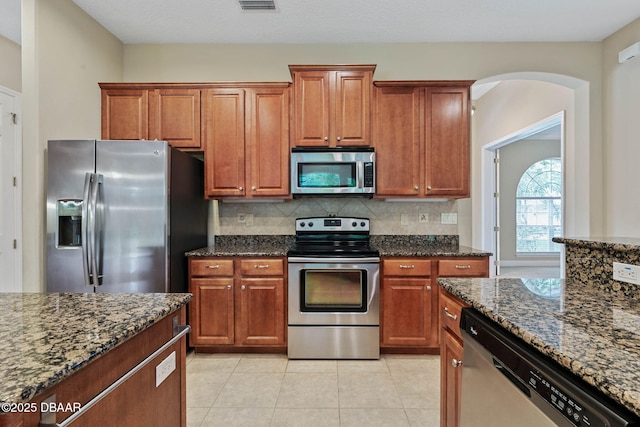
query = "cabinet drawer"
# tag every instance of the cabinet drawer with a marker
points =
(211, 267)
(463, 267)
(450, 309)
(406, 267)
(262, 267)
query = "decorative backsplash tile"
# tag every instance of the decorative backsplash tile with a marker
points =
(392, 218)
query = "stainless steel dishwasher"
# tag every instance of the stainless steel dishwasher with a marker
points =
(506, 383)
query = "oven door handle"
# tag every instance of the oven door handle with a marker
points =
(334, 260)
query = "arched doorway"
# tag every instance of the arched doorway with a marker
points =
(507, 122)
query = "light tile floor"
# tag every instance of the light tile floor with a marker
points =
(270, 390)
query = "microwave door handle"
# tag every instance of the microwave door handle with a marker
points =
(360, 172)
(84, 228)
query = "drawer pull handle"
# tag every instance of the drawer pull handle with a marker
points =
(261, 266)
(408, 266)
(463, 267)
(453, 316)
(213, 267)
(455, 363)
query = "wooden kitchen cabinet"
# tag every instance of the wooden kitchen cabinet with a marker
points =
(125, 113)
(237, 303)
(245, 136)
(429, 122)
(164, 111)
(174, 116)
(331, 105)
(409, 303)
(451, 348)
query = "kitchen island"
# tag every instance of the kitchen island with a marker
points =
(60, 350)
(591, 331)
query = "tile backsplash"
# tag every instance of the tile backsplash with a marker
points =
(409, 218)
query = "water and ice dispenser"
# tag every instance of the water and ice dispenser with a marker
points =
(69, 223)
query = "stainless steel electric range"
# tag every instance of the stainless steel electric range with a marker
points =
(334, 290)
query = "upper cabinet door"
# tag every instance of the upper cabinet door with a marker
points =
(267, 142)
(447, 140)
(125, 114)
(174, 116)
(332, 105)
(397, 140)
(352, 108)
(311, 108)
(224, 139)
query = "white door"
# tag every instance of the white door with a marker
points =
(10, 200)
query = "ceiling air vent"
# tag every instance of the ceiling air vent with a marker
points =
(258, 5)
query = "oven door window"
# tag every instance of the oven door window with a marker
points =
(327, 175)
(333, 291)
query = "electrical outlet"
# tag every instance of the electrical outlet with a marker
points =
(449, 218)
(626, 273)
(165, 368)
(423, 217)
(248, 221)
(404, 219)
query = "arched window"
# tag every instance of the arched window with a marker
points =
(539, 208)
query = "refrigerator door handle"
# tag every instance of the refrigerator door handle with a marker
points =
(93, 230)
(85, 228)
(98, 206)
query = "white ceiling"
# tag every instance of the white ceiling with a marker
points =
(350, 21)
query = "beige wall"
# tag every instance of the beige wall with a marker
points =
(11, 69)
(621, 108)
(65, 54)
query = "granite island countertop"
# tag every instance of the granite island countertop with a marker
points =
(44, 338)
(594, 333)
(388, 245)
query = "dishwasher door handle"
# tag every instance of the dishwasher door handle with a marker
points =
(504, 371)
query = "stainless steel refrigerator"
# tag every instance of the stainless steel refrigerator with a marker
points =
(121, 215)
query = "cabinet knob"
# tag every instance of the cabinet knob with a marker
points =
(415, 187)
(253, 188)
(455, 363)
(339, 138)
(428, 187)
(243, 287)
(228, 286)
(326, 138)
(428, 287)
(240, 188)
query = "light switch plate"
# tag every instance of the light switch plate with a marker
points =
(449, 218)
(423, 217)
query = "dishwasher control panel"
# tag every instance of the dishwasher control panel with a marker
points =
(555, 391)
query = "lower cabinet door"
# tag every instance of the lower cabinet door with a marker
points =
(407, 317)
(450, 379)
(212, 312)
(261, 311)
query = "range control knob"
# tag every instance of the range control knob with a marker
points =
(302, 224)
(354, 224)
(311, 224)
(362, 224)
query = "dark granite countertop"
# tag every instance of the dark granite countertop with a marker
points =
(45, 338)
(620, 244)
(388, 245)
(592, 332)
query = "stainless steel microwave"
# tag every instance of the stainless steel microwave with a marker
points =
(333, 171)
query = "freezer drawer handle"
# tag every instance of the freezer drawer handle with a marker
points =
(48, 419)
